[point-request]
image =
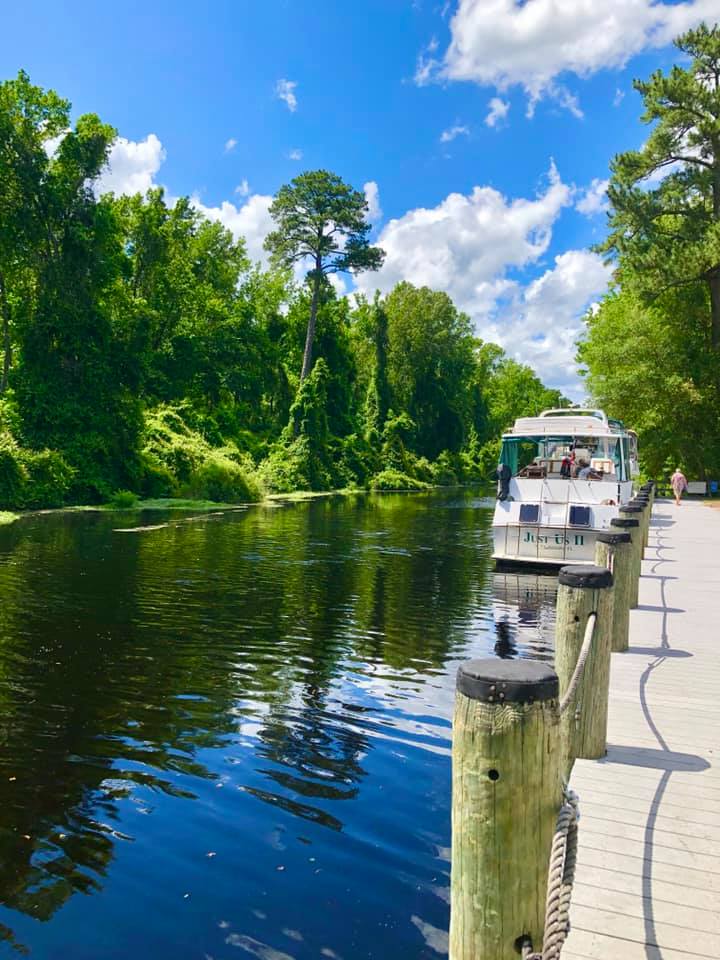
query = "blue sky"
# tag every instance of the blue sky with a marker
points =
(496, 212)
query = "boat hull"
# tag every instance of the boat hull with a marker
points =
(543, 545)
(553, 539)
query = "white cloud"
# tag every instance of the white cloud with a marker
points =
(466, 244)
(243, 188)
(251, 221)
(542, 325)
(457, 131)
(295, 155)
(503, 43)
(131, 166)
(498, 111)
(619, 97)
(337, 282)
(230, 144)
(285, 90)
(594, 198)
(372, 197)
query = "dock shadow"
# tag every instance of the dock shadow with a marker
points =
(668, 652)
(657, 609)
(653, 759)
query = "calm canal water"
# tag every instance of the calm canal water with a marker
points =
(230, 735)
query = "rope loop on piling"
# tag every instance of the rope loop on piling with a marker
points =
(580, 665)
(561, 876)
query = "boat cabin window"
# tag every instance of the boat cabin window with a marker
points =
(606, 458)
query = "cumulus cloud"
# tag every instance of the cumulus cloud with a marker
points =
(498, 111)
(372, 198)
(285, 91)
(295, 155)
(243, 188)
(593, 199)
(542, 324)
(230, 144)
(619, 97)
(131, 166)
(251, 221)
(466, 244)
(472, 246)
(503, 43)
(447, 136)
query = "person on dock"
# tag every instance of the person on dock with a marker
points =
(678, 484)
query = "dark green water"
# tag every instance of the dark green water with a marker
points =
(230, 736)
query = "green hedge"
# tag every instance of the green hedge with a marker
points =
(179, 462)
(32, 479)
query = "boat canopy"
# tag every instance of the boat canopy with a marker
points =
(584, 422)
(548, 450)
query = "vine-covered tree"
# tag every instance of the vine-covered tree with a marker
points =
(321, 219)
(668, 235)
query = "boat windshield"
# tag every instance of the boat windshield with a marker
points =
(607, 458)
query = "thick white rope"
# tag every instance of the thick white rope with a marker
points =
(580, 665)
(561, 875)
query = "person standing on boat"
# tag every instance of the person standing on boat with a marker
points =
(678, 484)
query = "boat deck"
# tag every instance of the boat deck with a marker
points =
(648, 879)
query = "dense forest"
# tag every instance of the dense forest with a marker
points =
(143, 354)
(652, 349)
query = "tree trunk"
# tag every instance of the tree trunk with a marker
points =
(714, 282)
(310, 337)
(7, 344)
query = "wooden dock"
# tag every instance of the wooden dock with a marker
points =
(648, 878)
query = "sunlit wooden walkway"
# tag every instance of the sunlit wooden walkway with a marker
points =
(648, 882)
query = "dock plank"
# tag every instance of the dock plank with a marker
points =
(648, 875)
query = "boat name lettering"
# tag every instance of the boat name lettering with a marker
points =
(578, 539)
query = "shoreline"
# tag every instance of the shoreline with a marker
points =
(208, 506)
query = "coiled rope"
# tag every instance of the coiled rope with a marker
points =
(561, 876)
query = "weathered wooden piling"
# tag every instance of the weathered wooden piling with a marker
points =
(506, 792)
(649, 489)
(614, 551)
(583, 591)
(643, 500)
(630, 525)
(632, 511)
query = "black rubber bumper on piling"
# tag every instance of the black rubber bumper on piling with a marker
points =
(632, 508)
(614, 538)
(627, 523)
(492, 680)
(585, 575)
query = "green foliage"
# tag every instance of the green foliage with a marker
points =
(302, 459)
(13, 476)
(658, 376)
(178, 461)
(32, 479)
(430, 365)
(320, 216)
(124, 499)
(141, 351)
(396, 480)
(322, 219)
(669, 235)
(514, 390)
(652, 350)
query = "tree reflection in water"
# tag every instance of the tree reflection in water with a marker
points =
(286, 669)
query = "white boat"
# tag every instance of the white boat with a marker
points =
(561, 479)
